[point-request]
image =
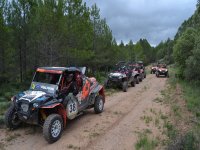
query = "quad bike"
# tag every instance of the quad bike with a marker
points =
(154, 69)
(162, 71)
(48, 104)
(142, 70)
(139, 71)
(120, 77)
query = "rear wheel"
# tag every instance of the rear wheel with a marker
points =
(140, 78)
(137, 80)
(98, 104)
(125, 86)
(12, 120)
(167, 75)
(52, 128)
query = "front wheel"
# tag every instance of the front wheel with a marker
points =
(133, 83)
(12, 120)
(157, 75)
(98, 104)
(106, 83)
(124, 86)
(52, 128)
(137, 80)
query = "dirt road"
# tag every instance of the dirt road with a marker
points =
(115, 129)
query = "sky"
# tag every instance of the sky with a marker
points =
(154, 20)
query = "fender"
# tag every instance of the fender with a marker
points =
(60, 110)
(99, 89)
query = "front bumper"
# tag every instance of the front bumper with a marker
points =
(28, 115)
(162, 72)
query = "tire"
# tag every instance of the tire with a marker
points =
(98, 104)
(167, 75)
(124, 86)
(11, 119)
(137, 80)
(133, 83)
(140, 79)
(151, 72)
(106, 83)
(145, 75)
(52, 128)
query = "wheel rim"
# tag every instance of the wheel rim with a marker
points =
(56, 128)
(101, 104)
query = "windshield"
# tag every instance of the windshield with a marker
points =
(49, 78)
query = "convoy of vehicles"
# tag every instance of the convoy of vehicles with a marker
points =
(58, 94)
(126, 73)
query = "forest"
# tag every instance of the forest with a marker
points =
(59, 33)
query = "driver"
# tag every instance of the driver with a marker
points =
(70, 85)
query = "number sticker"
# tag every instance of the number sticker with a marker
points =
(72, 108)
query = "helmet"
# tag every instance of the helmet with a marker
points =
(69, 77)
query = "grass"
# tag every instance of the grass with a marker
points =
(145, 143)
(171, 131)
(111, 91)
(190, 93)
(147, 119)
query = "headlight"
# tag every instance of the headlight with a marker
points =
(35, 105)
(24, 107)
(13, 98)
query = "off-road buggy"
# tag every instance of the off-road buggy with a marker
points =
(138, 71)
(154, 68)
(49, 103)
(121, 77)
(142, 68)
(162, 71)
(138, 76)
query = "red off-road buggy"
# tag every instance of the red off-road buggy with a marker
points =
(162, 71)
(49, 102)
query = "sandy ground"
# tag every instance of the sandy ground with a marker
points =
(116, 128)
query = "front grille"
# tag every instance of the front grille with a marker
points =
(24, 106)
(114, 78)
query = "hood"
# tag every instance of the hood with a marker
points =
(32, 95)
(154, 67)
(162, 69)
(117, 74)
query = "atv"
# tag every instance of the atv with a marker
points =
(162, 71)
(48, 102)
(139, 71)
(136, 72)
(154, 68)
(142, 69)
(121, 76)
